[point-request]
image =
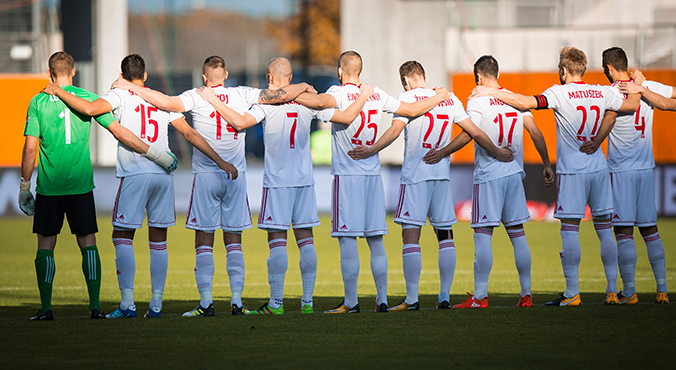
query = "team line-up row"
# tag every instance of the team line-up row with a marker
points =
(619, 191)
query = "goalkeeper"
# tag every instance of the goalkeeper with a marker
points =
(65, 180)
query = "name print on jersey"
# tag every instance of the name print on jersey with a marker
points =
(585, 94)
(355, 96)
(446, 103)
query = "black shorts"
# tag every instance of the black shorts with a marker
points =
(79, 209)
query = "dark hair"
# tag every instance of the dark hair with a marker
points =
(410, 68)
(133, 67)
(486, 66)
(60, 63)
(213, 62)
(616, 57)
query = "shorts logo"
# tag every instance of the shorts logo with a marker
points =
(343, 227)
(269, 219)
(118, 272)
(484, 218)
(616, 217)
(406, 214)
(560, 209)
(193, 221)
(121, 218)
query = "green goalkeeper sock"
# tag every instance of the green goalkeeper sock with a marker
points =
(91, 267)
(45, 269)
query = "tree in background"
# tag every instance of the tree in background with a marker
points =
(311, 36)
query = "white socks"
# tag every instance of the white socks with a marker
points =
(446, 269)
(378, 267)
(608, 253)
(483, 260)
(234, 265)
(570, 257)
(521, 258)
(277, 265)
(159, 262)
(308, 269)
(412, 262)
(349, 267)
(126, 269)
(204, 273)
(655, 248)
(626, 259)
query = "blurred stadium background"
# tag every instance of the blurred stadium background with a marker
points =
(445, 36)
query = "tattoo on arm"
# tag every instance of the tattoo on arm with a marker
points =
(268, 95)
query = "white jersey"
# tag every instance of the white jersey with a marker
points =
(431, 130)
(630, 143)
(503, 125)
(579, 109)
(146, 122)
(225, 140)
(286, 134)
(362, 131)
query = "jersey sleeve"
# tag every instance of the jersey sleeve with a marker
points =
(459, 113)
(257, 112)
(113, 98)
(189, 99)
(612, 98)
(32, 127)
(553, 100)
(474, 111)
(527, 113)
(325, 115)
(391, 104)
(403, 97)
(251, 94)
(658, 88)
(173, 116)
(333, 91)
(105, 119)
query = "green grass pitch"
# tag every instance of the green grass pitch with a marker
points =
(503, 336)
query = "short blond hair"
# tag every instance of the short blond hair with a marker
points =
(574, 60)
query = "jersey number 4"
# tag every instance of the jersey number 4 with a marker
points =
(219, 126)
(141, 108)
(372, 125)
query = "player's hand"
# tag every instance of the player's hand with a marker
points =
(311, 89)
(229, 169)
(442, 91)
(26, 200)
(50, 88)
(361, 152)
(206, 93)
(505, 155)
(123, 84)
(548, 174)
(432, 157)
(589, 147)
(481, 91)
(166, 160)
(638, 77)
(630, 88)
(366, 89)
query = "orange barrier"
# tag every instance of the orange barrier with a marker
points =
(664, 132)
(16, 92)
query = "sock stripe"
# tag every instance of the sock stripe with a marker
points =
(516, 233)
(303, 242)
(203, 249)
(122, 241)
(624, 237)
(573, 228)
(408, 250)
(91, 259)
(276, 244)
(483, 230)
(448, 243)
(158, 246)
(602, 225)
(49, 273)
(652, 238)
(233, 247)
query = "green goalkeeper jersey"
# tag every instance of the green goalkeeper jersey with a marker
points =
(65, 166)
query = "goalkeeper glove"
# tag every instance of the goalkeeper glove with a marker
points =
(26, 200)
(166, 160)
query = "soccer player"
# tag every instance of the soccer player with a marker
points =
(582, 178)
(498, 194)
(288, 183)
(425, 190)
(218, 201)
(358, 207)
(631, 163)
(142, 186)
(66, 180)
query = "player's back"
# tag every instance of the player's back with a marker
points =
(362, 131)
(64, 165)
(503, 124)
(147, 122)
(630, 141)
(225, 140)
(579, 109)
(286, 134)
(424, 133)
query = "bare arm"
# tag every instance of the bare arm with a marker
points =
(388, 137)
(126, 137)
(541, 146)
(90, 108)
(28, 156)
(156, 98)
(434, 156)
(316, 101)
(423, 106)
(501, 154)
(237, 121)
(657, 100)
(607, 124)
(198, 142)
(347, 116)
(518, 101)
(630, 104)
(283, 95)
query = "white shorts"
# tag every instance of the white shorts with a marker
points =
(358, 206)
(502, 199)
(427, 199)
(280, 207)
(634, 198)
(218, 202)
(574, 191)
(153, 192)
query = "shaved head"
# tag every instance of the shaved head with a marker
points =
(350, 63)
(279, 68)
